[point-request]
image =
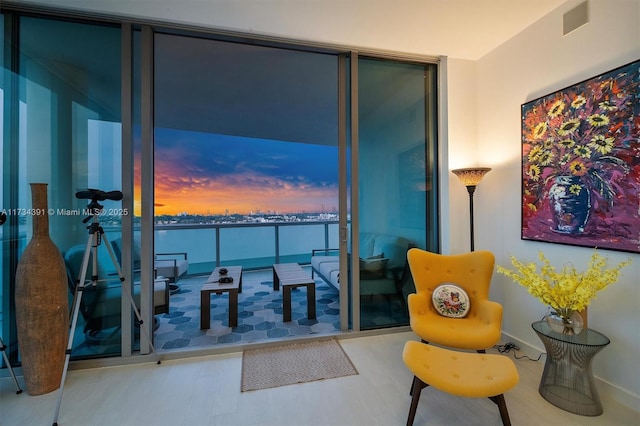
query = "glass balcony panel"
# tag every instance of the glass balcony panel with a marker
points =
(297, 242)
(199, 244)
(252, 247)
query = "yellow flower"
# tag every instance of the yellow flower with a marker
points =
(607, 106)
(549, 143)
(564, 159)
(567, 288)
(567, 143)
(534, 154)
(578, 101)
(534, 172)
(598, 120)
(539, 130)
(601, 144)
(575, 189)
(556, 108)
(569, 127)
(578, 168)
(582, 151)
(545, 158)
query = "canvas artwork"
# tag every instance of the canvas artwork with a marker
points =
(581, 163)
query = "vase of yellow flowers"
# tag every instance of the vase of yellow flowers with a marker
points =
(566, 291)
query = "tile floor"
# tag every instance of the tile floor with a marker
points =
(259, 314)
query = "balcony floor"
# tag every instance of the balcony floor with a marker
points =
(259, 317)
(259, 314)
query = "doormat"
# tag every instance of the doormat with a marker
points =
(294, 363)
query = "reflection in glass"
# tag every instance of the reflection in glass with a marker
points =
(392, 185)
(69, 137)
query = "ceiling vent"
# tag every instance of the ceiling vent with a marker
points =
(575, 18)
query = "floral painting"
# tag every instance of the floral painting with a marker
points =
(581, 163)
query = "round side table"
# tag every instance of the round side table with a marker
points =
(567, 380)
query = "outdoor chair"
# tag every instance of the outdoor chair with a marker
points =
(172, 266)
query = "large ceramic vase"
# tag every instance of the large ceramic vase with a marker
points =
(42, 313)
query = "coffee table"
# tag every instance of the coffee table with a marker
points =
(291, 275)
(214, 286)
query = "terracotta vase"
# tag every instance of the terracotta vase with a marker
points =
(42, 312)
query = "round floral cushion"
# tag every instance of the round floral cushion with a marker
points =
(451, 301)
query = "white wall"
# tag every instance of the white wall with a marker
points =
(462, 152)
(534, 63)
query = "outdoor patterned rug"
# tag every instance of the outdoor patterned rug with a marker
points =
(294, 363)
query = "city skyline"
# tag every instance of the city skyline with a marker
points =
(201, 173)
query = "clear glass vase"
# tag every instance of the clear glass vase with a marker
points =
(565, 321)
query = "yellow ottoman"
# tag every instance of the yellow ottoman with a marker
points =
(475, 375)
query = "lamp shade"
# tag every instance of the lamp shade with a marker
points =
(471, 176)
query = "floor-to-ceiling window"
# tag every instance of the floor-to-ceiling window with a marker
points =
(64, 86)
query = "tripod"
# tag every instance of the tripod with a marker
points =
(6, 361)
(3, 347)
(96, 235)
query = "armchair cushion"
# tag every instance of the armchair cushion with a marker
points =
(480, 329)
(373, 267)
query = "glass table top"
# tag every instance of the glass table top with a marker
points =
(586, 337)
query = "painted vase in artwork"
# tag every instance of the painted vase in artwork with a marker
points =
(570, 204)
(41, 297)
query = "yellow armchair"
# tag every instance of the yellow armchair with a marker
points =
(481, 327)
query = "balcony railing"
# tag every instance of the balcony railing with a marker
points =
(252, 245)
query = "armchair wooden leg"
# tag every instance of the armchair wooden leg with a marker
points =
(413, 383)
(417, 387)
(502, 406)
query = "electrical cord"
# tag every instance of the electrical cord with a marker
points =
(511, 347)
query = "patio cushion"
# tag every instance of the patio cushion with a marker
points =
(164, 267)
(379, 254)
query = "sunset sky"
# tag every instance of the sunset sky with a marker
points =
(202, 173)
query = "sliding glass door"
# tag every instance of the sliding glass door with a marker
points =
(395, 194)
(245, 168)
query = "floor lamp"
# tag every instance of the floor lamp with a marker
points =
(470, 178)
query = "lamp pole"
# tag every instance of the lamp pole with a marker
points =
(470, 178)
(471, 189)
